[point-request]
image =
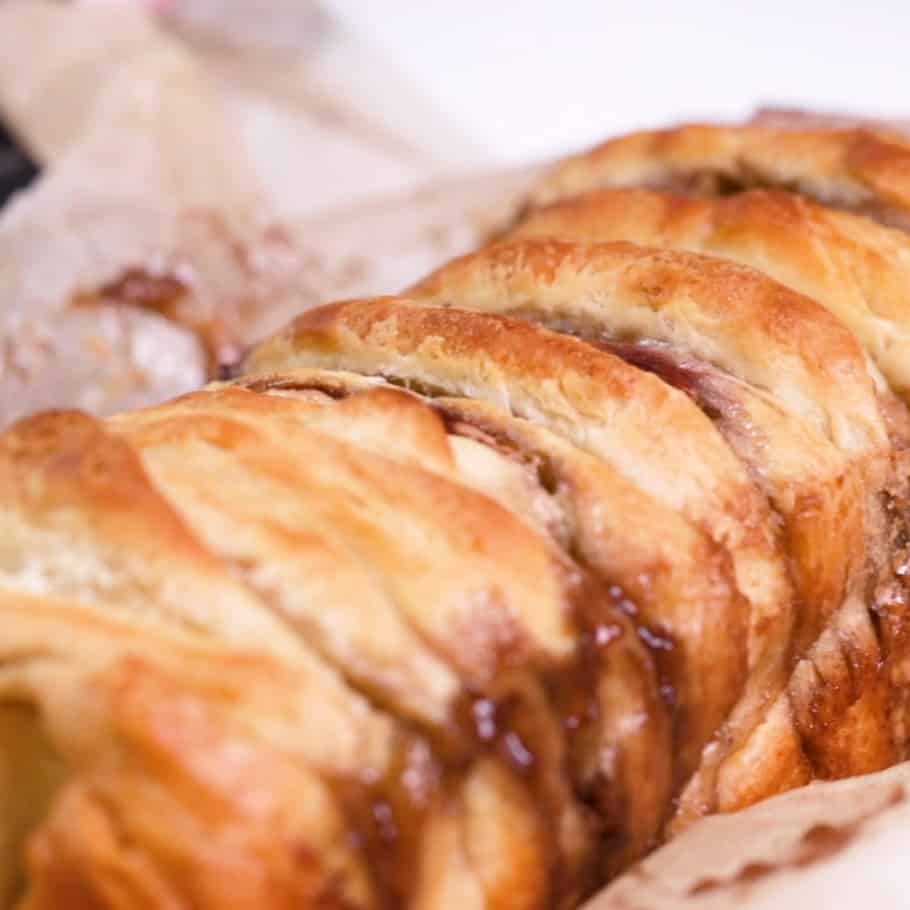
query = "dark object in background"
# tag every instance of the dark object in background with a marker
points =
(17, 170)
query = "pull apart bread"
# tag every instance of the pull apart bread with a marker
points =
(231, 685)
(467, 598)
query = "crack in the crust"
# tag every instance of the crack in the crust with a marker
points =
(688, 373)
(740, 177)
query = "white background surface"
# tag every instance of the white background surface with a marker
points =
(529, 79)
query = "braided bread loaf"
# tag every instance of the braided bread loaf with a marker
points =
(468, 598)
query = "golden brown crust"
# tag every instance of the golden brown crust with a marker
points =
(90, 524)
(386, 576)
(850, 168)
(585, 396)
(502, 595)
(785, 383)
(781, 342)
(86, 501)
(679, 579)
(855, 268)
(501, 637)
(594, 399)
(482, 594)
(823, 458)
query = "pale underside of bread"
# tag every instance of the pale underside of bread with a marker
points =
(857, 169)
(852, 266)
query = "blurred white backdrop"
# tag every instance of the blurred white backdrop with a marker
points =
(529, 79)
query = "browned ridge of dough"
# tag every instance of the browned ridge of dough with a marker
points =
(854, 267)
(862, 170)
